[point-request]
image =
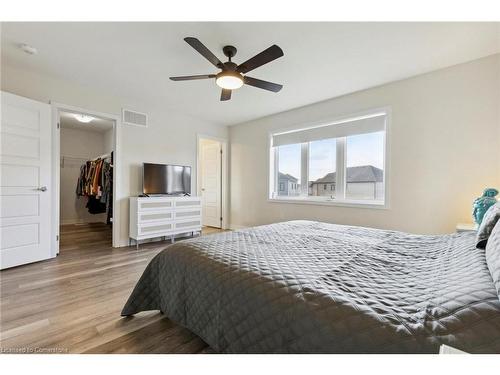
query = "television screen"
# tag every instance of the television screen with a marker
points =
(166, 179)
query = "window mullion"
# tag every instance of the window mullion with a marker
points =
(340, 180)
(276, 172)
(304, 168)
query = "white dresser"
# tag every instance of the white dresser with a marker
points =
(153, 217)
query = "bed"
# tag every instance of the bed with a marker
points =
(311, 287)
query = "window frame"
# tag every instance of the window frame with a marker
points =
(340, 160)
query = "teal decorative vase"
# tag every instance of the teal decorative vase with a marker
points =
(482, 204)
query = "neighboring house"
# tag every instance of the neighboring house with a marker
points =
(323, 186)
(288, 185)
(363, 182)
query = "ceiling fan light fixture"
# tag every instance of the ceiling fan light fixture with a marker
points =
(233, 76)
(229, 80)
(83, 118)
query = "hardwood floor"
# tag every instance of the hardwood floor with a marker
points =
(72, 304)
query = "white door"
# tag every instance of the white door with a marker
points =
(25, 175)
(211, 183)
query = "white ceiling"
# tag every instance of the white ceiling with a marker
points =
(322, 60)
(99, 125)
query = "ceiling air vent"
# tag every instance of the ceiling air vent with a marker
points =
(134, 118)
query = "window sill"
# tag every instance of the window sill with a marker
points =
(331, 202)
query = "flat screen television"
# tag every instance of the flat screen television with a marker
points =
(166, 179)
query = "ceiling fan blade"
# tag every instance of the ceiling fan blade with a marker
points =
(225, 95)
(204, 51)
(268, 55)
(189, 78)
(274, 87)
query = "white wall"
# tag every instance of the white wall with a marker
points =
(170, 137)
(84, 145)
(109, 141)
(444, 149)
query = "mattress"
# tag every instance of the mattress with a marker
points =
(312, 287)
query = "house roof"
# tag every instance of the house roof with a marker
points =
(286, 176)
(363, 173)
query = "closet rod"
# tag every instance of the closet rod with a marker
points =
(71, 158)
(103, 156)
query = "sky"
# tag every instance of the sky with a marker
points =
(363, 149)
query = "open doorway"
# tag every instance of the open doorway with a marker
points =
(86, 179)
(211, 180)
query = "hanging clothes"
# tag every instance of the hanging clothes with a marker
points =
(106, 177)
(95, 206)
(96, 183)
(107, 190)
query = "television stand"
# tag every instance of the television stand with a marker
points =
(164, 216)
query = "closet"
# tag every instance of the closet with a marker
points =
(95, 182)
(86, 180)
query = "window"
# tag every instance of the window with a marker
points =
(339, 162)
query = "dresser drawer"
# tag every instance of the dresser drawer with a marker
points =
(155, 205)
(154, 216)
(188, 225)
(187, 213)
(192, 203)
(152, 229)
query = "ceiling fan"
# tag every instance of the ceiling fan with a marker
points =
(233, 76)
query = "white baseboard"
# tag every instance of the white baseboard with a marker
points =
(68, 222)
(78, 221)
(123, 243)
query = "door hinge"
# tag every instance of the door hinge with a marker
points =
(57, 237)
(221, 218)
(58, 125)
(221, 151)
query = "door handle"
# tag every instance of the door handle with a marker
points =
(202, 189)
(42, 188)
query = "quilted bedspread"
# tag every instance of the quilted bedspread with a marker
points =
(311, 287)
